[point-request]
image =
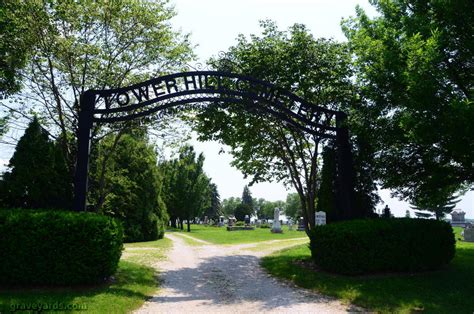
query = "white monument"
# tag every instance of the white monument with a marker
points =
(276, 228)
(320, 218)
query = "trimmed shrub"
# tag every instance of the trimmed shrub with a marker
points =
(240, 223)
(382, 245)
(57, 247)
(265, 226)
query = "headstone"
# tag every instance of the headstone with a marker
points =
(230, 222)
(320, 218)
(221, 221)
(206, 220)
(469, 233)
(276, 228)
(290, 224)
(457, 218)
(301, 226)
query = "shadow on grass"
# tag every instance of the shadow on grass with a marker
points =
(132, 285)
(449, 290)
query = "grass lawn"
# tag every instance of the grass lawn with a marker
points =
(450, 290)
(220, 235)
(135, 281)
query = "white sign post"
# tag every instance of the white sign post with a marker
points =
(320, 218)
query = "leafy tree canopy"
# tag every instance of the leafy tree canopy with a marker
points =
(265, 148)
(187, 188)
(414, 65)
(91, 45)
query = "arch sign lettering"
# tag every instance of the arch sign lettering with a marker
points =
(166, 95)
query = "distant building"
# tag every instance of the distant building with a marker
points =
(457, 218)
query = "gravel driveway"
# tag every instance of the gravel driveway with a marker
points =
(228, 279)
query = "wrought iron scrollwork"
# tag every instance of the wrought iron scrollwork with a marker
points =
(167, 94)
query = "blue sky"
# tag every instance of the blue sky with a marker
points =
(214, 26)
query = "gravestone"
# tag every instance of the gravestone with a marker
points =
(206, 220)
(469, 233)
(221, 221)
(320, 218)
(276, 228)
(230, 222)
(457, 218)
(290, 224)
(301, 224)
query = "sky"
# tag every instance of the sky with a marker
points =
(214, 26)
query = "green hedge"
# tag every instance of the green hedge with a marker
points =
(382, 245)
(57, 247)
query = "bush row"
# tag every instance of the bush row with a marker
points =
(382, 245)
(57, 247)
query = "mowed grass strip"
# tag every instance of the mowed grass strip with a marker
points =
(449, 290)
(134, 282)
(220, 235)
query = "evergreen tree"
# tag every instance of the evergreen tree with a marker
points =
(439, 205)
(327, 188)
(423, 215)
(215, 208)
(133, 184)
(38, 176)
(366, 197)
(241, 210)
(247, 197)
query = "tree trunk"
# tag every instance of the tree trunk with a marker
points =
(181, 224)
(173, 222)
(189, 225)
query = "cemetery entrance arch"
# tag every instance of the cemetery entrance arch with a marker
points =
(168, 94)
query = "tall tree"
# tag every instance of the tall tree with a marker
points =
(133, 187)
(94, 45)
(366, 197)
(215, 207)
(247, 197)
(265, 148)
(414, 64)
(327, 189)
(186, 191)
(293, 206)
(229, 205)
(17, 20)
(37, 175)
(440, 204)
(242, 210)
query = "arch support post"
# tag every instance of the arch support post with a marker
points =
(345, 174)
(87, 103)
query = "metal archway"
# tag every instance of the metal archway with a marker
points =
(165, 95)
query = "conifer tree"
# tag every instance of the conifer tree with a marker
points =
(37, 176)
